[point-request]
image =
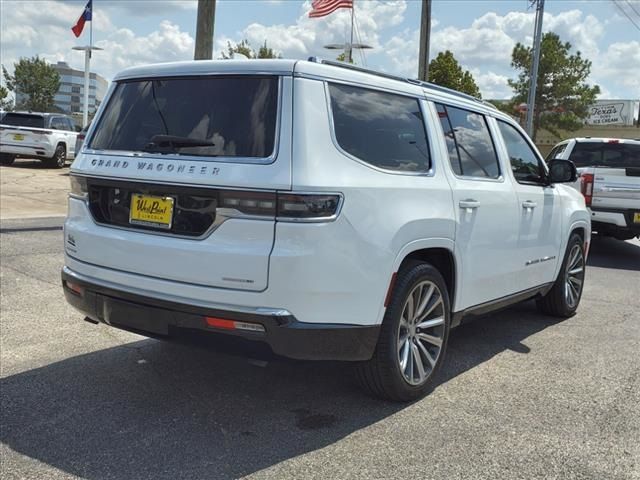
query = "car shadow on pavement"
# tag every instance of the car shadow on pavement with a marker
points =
(158, 410)
(607, 252)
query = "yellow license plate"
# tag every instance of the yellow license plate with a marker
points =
(18, 136)
(636, 217)
(151, 211)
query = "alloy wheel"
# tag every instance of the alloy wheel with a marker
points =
(574, 276)
(421, 332)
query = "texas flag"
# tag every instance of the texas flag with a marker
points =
(85, 17)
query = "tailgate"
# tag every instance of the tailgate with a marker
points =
(616, 187)
(22, 136)
(206, 219)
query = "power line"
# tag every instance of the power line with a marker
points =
(633, 8)
(626, 15)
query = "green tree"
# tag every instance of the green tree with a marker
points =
(245, 48)
(343, 58)
(5, 103)
(444, 70)
(36, 79)
(563, 97)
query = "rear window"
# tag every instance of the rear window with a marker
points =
(379, 128)
(612, 155)
(23, 120)
(205, 116)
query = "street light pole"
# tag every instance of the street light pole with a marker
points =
(425, 37)
(537, 41)
(204, 30)
(87, 75)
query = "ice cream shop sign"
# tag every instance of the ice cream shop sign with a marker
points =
(611, 112)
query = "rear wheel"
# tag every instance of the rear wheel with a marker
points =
(6, 159)
(59, 157)
(413, 337)
(564, 297)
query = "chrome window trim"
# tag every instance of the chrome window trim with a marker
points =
(191, 158)
(419, 99)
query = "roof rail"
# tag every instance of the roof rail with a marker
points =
(390, 76)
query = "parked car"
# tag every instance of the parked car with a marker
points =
(609, 170)
(80, 138)
(50, 137)
(331, 212)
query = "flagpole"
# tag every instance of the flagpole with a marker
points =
(350, 48)
(87, 73)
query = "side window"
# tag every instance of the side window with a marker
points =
(70, 125)
(556, 151)
(525, 164)
(471, 150)
(382, 129)
(57, 123)
(586, 154)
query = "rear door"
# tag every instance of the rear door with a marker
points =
(486, 209)
(183, 174)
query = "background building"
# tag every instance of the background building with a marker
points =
(71, 92)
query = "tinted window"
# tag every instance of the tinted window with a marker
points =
(71, 126)
(471, 149)
(556, 151)
(58, 123)
(382, 129)
(237, 114)
(525, 164)
(23, 120)
(612, 155)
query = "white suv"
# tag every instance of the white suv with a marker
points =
(329, 212)
(50, 137)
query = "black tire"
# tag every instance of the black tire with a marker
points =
(59, 158)
(6, 159)
(557, 302)
(383, 375)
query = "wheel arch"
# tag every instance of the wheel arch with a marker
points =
(437, 251)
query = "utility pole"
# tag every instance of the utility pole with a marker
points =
(204, 30)
(537, 41)
(425, 36)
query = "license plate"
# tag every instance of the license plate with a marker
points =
(18, 136)
(636, 217)
(151, 211)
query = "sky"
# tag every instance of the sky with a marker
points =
(481, 34)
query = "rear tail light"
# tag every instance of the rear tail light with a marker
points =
(78, 186)
(293, 207)
(75, 288)
(307, 207)
(225, 324)
(586, 187)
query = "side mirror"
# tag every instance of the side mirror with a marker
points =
(562, 171)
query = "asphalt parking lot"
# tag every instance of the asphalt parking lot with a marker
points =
(522, 395)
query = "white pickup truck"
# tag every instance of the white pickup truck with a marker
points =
(609, 179)
(50, 137)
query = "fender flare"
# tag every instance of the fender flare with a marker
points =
(413, 246)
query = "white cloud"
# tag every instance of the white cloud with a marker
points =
(44, 28)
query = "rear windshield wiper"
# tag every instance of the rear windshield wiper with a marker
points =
(171, 143)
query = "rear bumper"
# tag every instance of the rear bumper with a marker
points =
(285, 335)
(37, 151)
(610, 220)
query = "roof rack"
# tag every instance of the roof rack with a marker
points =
(413, 81)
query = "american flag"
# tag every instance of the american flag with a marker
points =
(322, 8)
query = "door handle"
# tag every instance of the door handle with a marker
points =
(529, 205)
(469, 204)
